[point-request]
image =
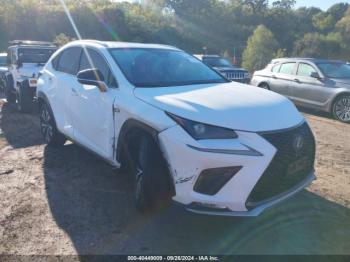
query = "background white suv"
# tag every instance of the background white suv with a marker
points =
(185, 132)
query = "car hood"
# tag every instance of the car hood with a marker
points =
(231, 105)
(236, 69)
(342, 81)
(28, 70)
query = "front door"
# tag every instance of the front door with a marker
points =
(310, 91)
(92, 110)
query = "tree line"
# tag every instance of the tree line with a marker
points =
(253, 30)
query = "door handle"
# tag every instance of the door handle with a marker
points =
(297, 80)
(273, 76)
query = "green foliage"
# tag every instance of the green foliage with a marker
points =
(284, 4)
(223, 27)
(324, 22)
(261, 48)
(318, 46)
(62, 39)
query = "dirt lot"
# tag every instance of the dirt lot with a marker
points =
(67, 201)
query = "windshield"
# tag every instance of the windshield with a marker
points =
(217, 62)
(3, 61)
(39, 55)
(145, 67)
(335, 70)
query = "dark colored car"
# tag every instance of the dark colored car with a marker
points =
(315, 83)
(226, 68)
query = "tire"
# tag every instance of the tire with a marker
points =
(264, 86)
(48, 127)
(2, 84)
(10, 96)
(341, 108)
(152, 180)
(25, 97)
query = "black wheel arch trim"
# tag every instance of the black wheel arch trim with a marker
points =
(133, 123)
(41, 96)
(127, 126)
(263, 83)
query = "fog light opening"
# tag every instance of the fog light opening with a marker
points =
(210, 181)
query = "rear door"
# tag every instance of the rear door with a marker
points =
(66, 66)
(282, 80)
(307, 90)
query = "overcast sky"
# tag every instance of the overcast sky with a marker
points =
(323, 4)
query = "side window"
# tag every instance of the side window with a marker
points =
(305, 70)
(276, 68)
(69, 60)
(97, 61)
(55, 61)
(12, 59)
(8, 59)
(287, 68)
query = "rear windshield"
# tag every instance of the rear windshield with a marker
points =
(31, 55)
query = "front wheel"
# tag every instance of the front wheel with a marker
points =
(341, 109)
(48, 127)
(152, 182)
(10, 96)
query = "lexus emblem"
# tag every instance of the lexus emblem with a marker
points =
(298, 143)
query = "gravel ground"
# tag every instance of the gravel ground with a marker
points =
(67, 201)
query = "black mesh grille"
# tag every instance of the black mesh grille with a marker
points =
(293, 161)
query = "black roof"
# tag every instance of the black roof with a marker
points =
(31, 43)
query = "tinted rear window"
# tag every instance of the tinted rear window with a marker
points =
(31, 55)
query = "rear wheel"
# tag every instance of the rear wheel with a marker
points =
(48, 127)
(341, 108)
(152, 181)
(264, 86)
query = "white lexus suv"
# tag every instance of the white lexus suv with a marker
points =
(184, 132)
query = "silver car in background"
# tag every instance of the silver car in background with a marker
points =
(314, 83)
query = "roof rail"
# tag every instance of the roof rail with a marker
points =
(29, 42)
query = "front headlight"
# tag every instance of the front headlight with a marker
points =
(200, 131)
(247, 75)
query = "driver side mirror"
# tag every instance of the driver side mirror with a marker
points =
(315, 75)
(92, 77)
